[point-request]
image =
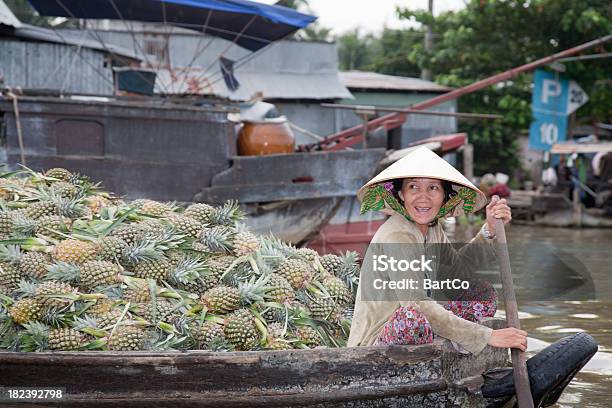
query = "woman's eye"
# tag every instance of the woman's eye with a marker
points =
(435, 187)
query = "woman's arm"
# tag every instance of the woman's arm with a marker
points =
(479, 252)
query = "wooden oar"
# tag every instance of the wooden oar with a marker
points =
(521, 377)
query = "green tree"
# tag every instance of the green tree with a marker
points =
(391, 52)
(356, 51)
(490, 36)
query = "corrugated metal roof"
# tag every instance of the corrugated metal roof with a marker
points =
(375, 81)
(7, 17)
(283, 70)
(63, 37)
(271, 85)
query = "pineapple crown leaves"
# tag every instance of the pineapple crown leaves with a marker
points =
(228, 214)
(26, 288)
(217, 238)
(64, 272)
(349, 271)
(189, 269)
(142, 251)
(255, 290)
(274, 248)
(35, 337)
(71, 207)
(10, 253)
(22, 225)
(159, 341)
(89, 325)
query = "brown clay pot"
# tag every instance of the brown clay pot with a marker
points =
(256, 139)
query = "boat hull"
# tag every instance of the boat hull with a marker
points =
(380, 376)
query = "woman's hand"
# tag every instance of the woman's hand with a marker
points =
(497, 209)
(510, 337)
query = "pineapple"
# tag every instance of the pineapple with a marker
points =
(241, 331)
(127, 338)
(307, 255)
(221, 299)
(200, 212)
(187, 225)
(278, 344)
(220, 265)
(157, 269)
(276, 330)
(153, 312)
(112, 248)
(322, 308)
(153, 208)
(66, 339)
(50, 225)
(127, 232)
(9, 277)
(26, 310)
(337, 289)
(297, 272)
(205, 333)
(332, 263)
(51, 287)
(205, 281)
(225, 299)
(96, 203)
(109, 319)
(137, 291)
(65, 189)
(75, 251)
(6, 223)
(280, 289)
(307, 335)
(100, 308)
(245, 242)
(40, 208)
(59, 173)
(98, 273)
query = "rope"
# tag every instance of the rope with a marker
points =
(304, 131)
(11, 95)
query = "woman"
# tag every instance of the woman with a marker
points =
(418, 191)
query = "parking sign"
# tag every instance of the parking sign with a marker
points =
(554, 98)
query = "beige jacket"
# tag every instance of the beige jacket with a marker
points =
(370, 316)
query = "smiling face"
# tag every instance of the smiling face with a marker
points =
(422, 198)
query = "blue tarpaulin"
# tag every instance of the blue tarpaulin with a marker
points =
(251, 25)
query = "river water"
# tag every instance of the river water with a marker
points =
(589, 252)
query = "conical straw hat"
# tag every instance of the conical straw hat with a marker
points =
(422, 162)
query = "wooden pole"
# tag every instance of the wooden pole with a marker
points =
(519, 363)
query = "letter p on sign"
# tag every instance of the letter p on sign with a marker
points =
(550, 89)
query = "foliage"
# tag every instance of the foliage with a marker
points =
(355, 50)
(488, 37)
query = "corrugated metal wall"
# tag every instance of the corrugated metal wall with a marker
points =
(36, 65)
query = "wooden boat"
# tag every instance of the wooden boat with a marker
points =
(169, 152)
(431, 375)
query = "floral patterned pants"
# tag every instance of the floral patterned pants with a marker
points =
(410, 326)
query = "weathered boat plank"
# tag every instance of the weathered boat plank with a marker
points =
(427, 375)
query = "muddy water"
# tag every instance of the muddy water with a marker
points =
(548, 320)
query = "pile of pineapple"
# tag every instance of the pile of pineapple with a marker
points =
(81, 269)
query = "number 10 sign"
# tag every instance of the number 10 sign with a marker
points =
(554, 98)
